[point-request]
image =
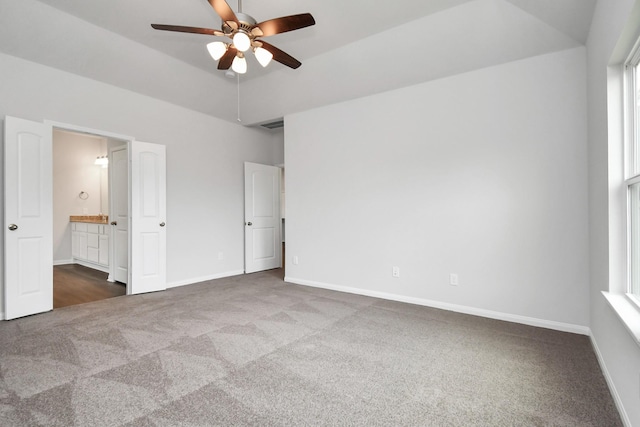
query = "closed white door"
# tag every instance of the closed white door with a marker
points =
(28, 243)
(148, 218)
(119, 213)
(263, 247)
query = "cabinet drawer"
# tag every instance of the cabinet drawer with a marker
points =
(81, 226)
(93, 228)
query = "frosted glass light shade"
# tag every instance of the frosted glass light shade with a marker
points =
(263, 56)
(102, 161)
(239, 65)
(241, 41)
(216, 49)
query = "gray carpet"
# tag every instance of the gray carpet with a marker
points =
(253, 350)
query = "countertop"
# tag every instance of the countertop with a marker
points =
(94, 219)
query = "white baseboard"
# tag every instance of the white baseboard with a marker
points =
(91, 265)
(204, 278)
(531, 321)
(612, 387)
(63, 262)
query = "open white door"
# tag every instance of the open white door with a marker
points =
(263, 244)
(119, 213)
(28, 249)
(147, 270)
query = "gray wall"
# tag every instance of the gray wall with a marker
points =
(483, 174)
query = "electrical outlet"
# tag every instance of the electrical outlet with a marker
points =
(453, 279)
(220, 256)
(295, 260)
(395, 272)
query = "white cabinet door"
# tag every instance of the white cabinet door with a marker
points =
(103, 250)
(28, 243)
(263, 243)
(148, 216)
(74, 244)
(83, 252)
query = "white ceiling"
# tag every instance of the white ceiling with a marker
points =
(356, 48)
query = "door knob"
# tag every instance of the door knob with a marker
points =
(13, 227)
(162, 224)
(249, 224)
(114, 223)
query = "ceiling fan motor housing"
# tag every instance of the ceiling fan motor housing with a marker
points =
(246, 24)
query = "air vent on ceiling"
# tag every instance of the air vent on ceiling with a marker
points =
(273, 125)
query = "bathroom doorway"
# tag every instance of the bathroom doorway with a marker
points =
(82, 235)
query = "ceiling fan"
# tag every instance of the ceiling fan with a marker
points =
(244, 32)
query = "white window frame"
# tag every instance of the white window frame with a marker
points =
(632, 161)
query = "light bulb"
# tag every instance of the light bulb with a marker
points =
(263, 56)
(216, 49)
(102, 161)
(241, 41)
(239, 65)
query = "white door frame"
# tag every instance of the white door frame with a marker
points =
(127, 140)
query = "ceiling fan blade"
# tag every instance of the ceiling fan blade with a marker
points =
(227, 59)
(223, 9)
(282, 25)
(182, 29)
(280, 56)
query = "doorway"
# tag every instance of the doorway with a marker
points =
(83, 239)
(28, 243)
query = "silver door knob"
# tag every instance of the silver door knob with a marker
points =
(249, 224)
(162, 224)
(13, 227)
(114, 222)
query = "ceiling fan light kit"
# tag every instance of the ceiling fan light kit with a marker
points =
(239, 64)
(244, 31)
(263, 56)
(241, 41)
(217, 49)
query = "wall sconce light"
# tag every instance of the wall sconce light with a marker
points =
(102, 161)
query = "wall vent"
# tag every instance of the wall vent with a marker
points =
(273, 125)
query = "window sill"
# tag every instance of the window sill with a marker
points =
(626, 311)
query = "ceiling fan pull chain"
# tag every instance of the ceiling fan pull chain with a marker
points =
(238, 76)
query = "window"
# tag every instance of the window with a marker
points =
(632, 175)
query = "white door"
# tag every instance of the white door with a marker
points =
(119, 213)
(262, 246)
(28, 243)
(148, 217)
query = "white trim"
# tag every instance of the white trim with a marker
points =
(204, 278)
(63, 261)
(89, 264)
(612, 388)
(531, 321)
(82, 129)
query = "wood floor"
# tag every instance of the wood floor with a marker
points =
(75, 284)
